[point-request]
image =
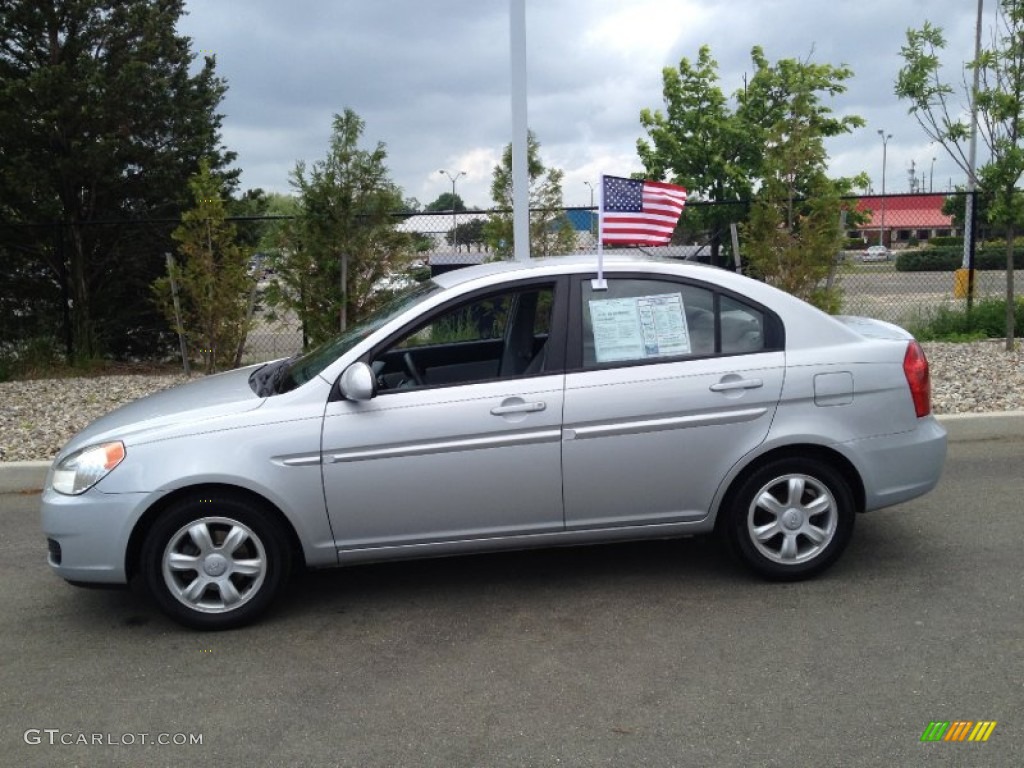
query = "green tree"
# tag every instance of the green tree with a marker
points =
(999, 105)
(769, 97)
(212, 277)
(277, 210)
(101, 119)
(250, 212)
(339, 254)
(551, 232)
(698, 142)
(794, 230)
(470, 233)
(714, 145)
(446, 201)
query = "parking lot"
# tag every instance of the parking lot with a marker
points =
(877, 290)
(655, 654)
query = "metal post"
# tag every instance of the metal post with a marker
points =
(455, 225)
(249, 312)
(969, 244)
(177, 315)
(885, 141)
(520, 128)
(734, 232)
(343, 314)
(592, 227)
(65, 289)
(972, 155)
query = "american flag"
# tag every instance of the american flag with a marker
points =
(637, 212)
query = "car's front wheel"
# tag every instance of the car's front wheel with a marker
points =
(790, 519)
(215, 561)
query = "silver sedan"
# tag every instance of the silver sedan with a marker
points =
(500, 407)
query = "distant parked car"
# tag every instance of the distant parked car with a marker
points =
(506, 406)
(876, 253)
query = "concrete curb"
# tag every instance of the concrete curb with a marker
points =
(22, 476)
(996, 425)
(29, 476)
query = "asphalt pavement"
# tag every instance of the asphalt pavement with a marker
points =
(653, 654)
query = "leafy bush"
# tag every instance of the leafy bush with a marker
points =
(948, 258)
(938, 242)
(928, 260)
(32, 358)
(986, 320)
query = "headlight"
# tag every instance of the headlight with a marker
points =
(81, 470)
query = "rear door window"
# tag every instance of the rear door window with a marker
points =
(637, 320)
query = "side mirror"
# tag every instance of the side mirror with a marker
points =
(357, 382)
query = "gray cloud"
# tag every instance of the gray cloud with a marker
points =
(431, 79)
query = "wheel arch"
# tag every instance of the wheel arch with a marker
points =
(149, 517)
(822, 453)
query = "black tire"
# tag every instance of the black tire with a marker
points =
(232, 582)
(790, 519)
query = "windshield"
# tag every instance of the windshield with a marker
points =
(304, 368)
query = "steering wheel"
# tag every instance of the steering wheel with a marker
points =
(412, 370)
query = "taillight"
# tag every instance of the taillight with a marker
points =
(915, 368)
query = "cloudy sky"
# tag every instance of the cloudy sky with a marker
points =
(431, 79)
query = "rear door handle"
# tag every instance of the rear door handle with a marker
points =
(502, 410)
(730, 386)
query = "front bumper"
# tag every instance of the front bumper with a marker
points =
(89, 534)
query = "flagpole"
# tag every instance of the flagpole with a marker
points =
(600, 284)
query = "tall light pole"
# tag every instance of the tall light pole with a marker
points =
(591, 193)
(591, 205)
(931, 177)
(455, 226)
(885, 141)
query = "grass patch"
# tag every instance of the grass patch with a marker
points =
(986, 320)
(43, 358)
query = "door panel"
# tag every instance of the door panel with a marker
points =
(652, 443)
(672, 383)
(439, 464)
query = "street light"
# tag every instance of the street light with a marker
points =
(885, 141)
(455, 226)
(592, 221)
(931, 177)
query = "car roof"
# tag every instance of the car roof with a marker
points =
(572, 263)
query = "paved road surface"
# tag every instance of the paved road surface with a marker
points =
(660, 654)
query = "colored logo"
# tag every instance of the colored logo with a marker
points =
(958, 730)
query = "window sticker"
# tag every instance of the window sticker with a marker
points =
(639, 328)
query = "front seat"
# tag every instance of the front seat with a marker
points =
(518, 356)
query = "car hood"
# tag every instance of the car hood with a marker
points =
(203, 401)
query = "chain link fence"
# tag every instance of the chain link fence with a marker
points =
(903, 258)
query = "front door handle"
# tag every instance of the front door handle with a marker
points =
(502, 410)
(734, 384)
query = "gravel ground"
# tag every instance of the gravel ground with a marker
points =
(38, 416)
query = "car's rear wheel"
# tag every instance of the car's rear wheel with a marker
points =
(790, 519)
(215, 562)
